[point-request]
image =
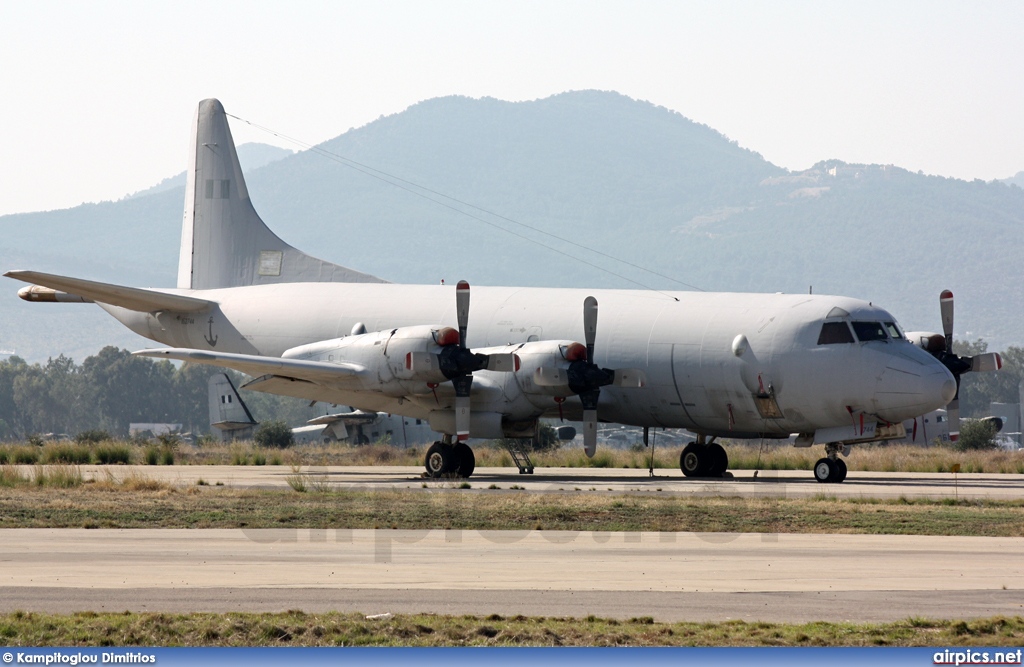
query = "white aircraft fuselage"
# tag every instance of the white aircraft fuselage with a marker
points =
(698, 376)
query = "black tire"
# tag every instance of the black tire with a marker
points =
(440, 460)
(825, 470)
(465, 459)
(840, 471)
(693, 461)
(718, 460)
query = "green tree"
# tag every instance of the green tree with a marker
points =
(977, 434)
(275, 433)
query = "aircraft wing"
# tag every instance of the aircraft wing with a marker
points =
(132, 298)
(318, 372)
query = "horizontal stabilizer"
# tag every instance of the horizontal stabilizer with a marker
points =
(318, 372)
(132, 298)
(351, 418)
(232, 426)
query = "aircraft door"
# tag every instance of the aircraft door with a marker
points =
(689, 383)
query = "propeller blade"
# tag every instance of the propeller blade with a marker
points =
(946, 308)
(590, 432)
(953, 417)
(503, 363)
(590, 326)
(629, 378)
(550, 377)
(462, 310)
(990, 361)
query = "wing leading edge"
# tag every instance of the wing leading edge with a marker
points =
(317, 372)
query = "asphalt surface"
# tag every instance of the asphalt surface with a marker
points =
(670, 576)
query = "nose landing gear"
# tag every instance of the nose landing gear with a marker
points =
(831, 469)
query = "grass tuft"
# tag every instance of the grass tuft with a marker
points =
(58, 476)
(113, 454)
(67, 453)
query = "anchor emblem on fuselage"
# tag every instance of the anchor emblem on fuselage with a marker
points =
(210, 338)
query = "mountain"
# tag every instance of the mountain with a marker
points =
(597, 169)
(1017, 179)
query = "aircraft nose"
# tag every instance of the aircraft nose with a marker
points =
(912, 383)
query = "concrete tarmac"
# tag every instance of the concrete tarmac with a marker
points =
(670, 576)
(773, 483)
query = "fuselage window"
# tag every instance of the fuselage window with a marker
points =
(833, 333)
(894, 331)
(869, 331)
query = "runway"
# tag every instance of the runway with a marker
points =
(670, 576)
(769, 483)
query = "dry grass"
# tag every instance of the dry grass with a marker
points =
(296, 628)
(70, 476)
(143, 504)
(742, 456)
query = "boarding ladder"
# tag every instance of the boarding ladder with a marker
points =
(520, 454)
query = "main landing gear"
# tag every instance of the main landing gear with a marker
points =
(703, 459)
(447, 459)
(831, 469)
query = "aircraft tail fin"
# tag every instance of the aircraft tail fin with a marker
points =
(224, 243)
(228, 413)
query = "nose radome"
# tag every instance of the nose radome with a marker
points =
(948, 390)
(912, 384)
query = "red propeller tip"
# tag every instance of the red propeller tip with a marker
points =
(463, 285)
(946, 295)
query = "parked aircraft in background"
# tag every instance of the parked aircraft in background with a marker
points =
(836, 371)
(933, 428)
(927, 429)
(230, 417)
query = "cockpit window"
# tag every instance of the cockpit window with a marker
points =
(869, 331)
(833, 333)
(894, 331)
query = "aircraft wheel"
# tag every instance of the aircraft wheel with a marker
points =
(440, 459)
(465, 459)
(694, 460)
(718, 460)
(825, 470)
(840, 471)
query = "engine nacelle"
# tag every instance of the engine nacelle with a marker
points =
(929, 341)
(543, 367)
(397, 362)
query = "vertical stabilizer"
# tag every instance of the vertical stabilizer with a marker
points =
(228, 414)
(224, 243)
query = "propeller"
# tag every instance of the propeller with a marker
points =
(585, 378)
(458, 363)
(957, 365)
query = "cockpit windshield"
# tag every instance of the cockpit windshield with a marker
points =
(894, 331)
(867, 331)
(833, 333)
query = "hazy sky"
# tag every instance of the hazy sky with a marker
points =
(98, 97)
